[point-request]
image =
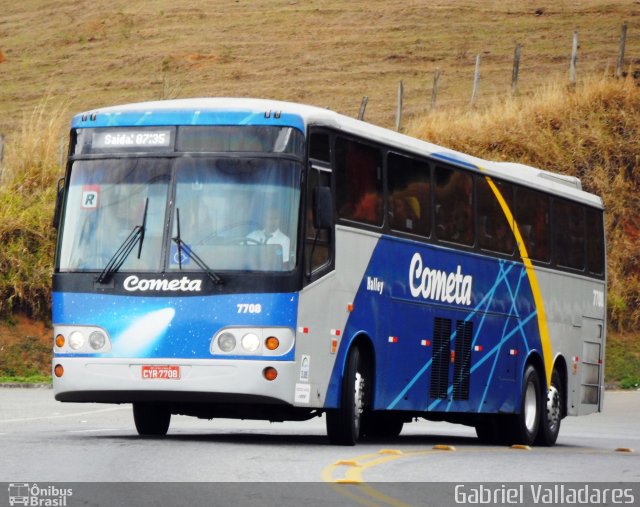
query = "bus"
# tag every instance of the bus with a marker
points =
(258, 259)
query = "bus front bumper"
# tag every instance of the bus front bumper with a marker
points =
(130, 380)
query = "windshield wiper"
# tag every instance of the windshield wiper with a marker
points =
(136, 235)
(182, 245)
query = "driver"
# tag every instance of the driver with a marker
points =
(271, 233)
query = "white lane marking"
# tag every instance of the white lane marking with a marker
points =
(74, 414)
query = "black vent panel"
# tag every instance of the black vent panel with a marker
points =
(441, 357)
(462, 362)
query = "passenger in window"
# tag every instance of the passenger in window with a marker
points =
(461, 225)
(541, 241)
(503, 238)
(369, 208)
(404, 215)
(271, 234)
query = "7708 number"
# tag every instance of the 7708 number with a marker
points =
(249, 308)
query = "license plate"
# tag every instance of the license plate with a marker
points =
(166, 372)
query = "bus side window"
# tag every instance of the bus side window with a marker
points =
(318, 244)
(532, 218)
(454, 206)
(319, 147)
(494, 230)
(568, 232)
(595, 242)
(359, 182)
(409, 195)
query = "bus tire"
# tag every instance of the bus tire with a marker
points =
(524, 426)
(151, 419)
(343, 423)
(381, 425)
(551, 413)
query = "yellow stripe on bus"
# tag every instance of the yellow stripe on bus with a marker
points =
(533, 282)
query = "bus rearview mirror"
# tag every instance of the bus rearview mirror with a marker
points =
(58, 208)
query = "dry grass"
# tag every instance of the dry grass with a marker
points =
(27, 197)
(593, 132)
(323, 52)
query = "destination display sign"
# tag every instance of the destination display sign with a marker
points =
(160, 138)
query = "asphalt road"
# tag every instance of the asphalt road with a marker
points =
(50, 442)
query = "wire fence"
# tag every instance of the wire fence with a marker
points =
(618, 72)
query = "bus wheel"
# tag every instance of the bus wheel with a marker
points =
(151, 419)
(551, 414)
(343, 424)
(524, 427)
(381, 425)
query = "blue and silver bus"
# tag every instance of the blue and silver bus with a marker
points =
(254, 259)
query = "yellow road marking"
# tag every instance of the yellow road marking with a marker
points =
(441, 447)
(352, 484)
(348, 463)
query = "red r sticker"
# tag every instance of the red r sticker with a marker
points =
(90, 195)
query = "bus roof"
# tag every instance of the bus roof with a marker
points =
(246, 111)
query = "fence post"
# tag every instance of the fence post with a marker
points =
(363, 107)
(434, 91)
(623, 41)
(574, 58)
(399, 110)
(476, 81)
(516, 68)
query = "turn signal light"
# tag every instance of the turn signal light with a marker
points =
(59, 341)
(270, 373)
(58, 370)
(272, 343)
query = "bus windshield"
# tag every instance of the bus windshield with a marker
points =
(233, 213)
(237, 214)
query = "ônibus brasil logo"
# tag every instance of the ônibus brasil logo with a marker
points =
(23, 493)
(439, 285)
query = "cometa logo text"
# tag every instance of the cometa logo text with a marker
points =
(133, 283)
(439, 285)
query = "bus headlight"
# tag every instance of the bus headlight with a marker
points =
(250, 342)
(76, 340)
(226, 342)
(97, 339)
(81, 340)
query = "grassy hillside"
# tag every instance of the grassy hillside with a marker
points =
(325, 52)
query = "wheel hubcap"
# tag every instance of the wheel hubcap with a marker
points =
(358, 399)
(553, 408)
(530, 408)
